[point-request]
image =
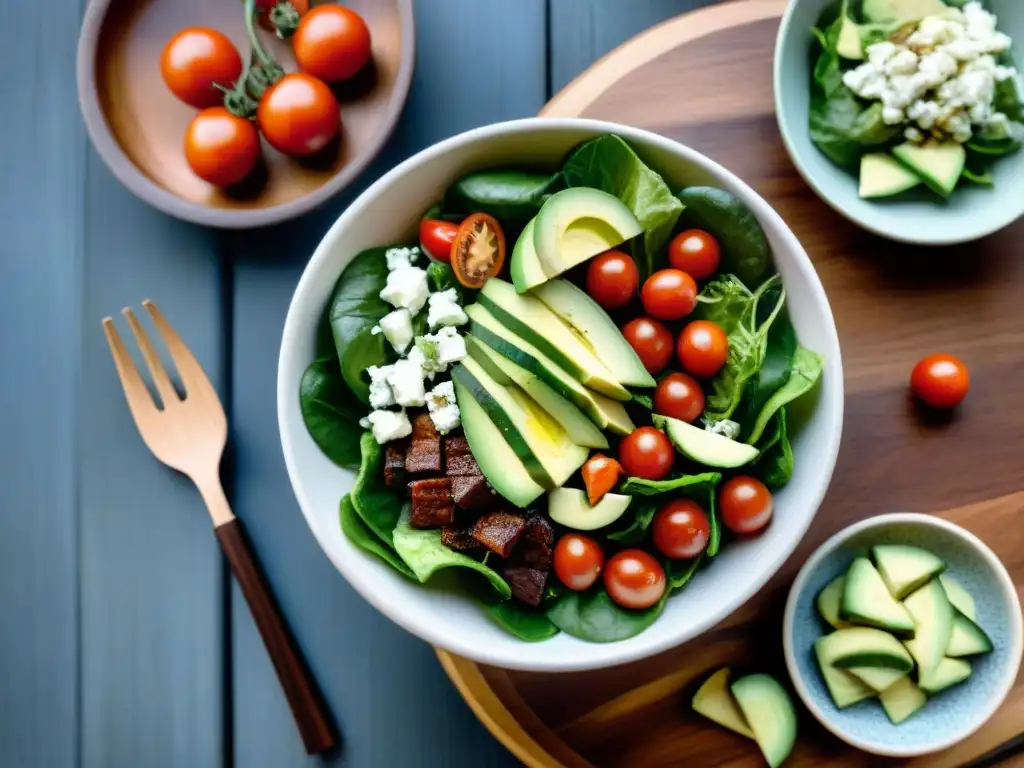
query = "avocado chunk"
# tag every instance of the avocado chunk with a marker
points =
(901, 11)
(770, 712)
(938, 164)
(904, 569)
(705, 447)
(967, 638)
(499, 464)
(958, 596)
(933, 614)
(714, 701)
(902, 699)
(844, 688)
(877, 678)
(828, 601)
(882, 175)
(578, 223)
(525, 267)
(569, 507)
(947, 673)
(849, 44)
(529, 317)
(580, 429)
(866, 600)
(868, 647)
(539, 441)
(592, 324)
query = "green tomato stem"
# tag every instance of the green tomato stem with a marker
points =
(250, 27)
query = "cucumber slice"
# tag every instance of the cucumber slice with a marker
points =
(714, 700)
(948, 673)
(866, 600)
(867, 647)
(905, 569)
(828, 602)
(877, 678)
(967, 638)
(933, 614)
(959, 597)
(770, 712)
(902, 700)
(844, 688)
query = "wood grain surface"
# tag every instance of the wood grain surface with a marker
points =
(705, 80)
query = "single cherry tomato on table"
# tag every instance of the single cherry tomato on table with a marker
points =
(600, 474)
(669, 294)
(436, 238)
(680, 397)
(578, 560)
(195, 61)
(941, 380)
(680, 529)
(651, 341)
(299, 115)
(634, 579)
(478, 251)
(696, 253)
(746, 505)
(612, 279)
(332, 42)
(275, 15)
(646, 452)
(221, 148)
(703, 348)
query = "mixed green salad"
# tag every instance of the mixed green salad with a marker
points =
(914, 93)
(578, 428)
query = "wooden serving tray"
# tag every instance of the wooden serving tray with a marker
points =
(705, 80)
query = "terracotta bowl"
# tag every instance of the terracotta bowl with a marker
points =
(138, 126)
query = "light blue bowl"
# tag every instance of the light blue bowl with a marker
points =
(950, 716)
(917, 217)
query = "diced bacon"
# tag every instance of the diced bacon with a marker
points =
(432, 505)
(527, 583)
(499, 531)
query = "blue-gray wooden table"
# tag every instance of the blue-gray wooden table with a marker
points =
(123, 642)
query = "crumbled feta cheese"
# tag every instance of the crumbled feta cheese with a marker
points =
(397, 327)
(725, 428)
(387, 425)
(451, 347)
(398, 258)
(913, 134)
(380, 391)
(406, 380)
(406, 287)
(444, 309)
(376, 330)
(903, 63)
(443, 409)
(892, 115)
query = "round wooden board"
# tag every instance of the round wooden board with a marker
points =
(705, 80)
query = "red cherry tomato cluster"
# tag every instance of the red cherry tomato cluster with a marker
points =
(297, 113)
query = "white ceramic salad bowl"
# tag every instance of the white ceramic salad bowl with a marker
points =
(439, 612)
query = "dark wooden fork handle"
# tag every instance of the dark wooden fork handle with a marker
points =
(318, 733)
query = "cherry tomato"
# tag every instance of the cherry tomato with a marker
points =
(669, 294)
(651, 341)
(600, 474)
(745, 504)
(703, 348)
(634, 579)
(478, 251)
(940, 380)
(679, 396)
(696, 253)
(264, 8)
(299, 115)
(645, 452)
(680, 529)
(612, 279)
(221, 148)
(332, 42)
(578, 561)
(194, 60)
(436, 238)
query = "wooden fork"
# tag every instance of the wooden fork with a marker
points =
(189, 434)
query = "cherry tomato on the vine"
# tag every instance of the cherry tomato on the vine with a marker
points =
(680, 529)
(634, 579)
(746, 504)
(221, 148)
(646, 452)
(436, 238)
(612, 279)
(695, 252)
(669, 294)
(332, 42)
(680, 397)
(197, 59)
(578, 560)
(299, 115)
(702, 348)
(651, 341)
(940, 380)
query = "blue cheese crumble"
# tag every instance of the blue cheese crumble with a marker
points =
(443, 308)
(397, 329)
(444, 411)
(726, 428)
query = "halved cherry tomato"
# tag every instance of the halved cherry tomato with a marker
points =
(299, 115)
(578, 560)
(600, 474)
(612, 279)
(746, 505)
(651, 341)
(264, 9)
(221, 148)
(940, 380)
(634, 579)
(696, 252)
(478, 252)
(332, 42)
(669, 294)
(197, 59)
(703, 348)
(680, 397)
(436, 238)
(680, 529)
(646, 452)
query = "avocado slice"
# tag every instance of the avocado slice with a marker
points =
(844, 688)
(829, 600)
(958, 596)
(933, 615)
(901, 11)
(868, 647)
(882, 175)
(569, 507)
(499, 464)
(578, 223)
(877, 678)
(529, 317)
(525, 268)
(593, 325)
(866, 600)
(938, 164)
(538, 440)
(849, 44)
(967, 638)
(902, 699)
(714, 700)
(947, 673)
(580, 429)
(603, 411)
(705, 447)
(904, 568)
(770, 712)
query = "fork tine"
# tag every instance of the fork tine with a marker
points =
(156, 367)
(140, 402)
(192, 374)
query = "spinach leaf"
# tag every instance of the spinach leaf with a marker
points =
(593, 616)
(638, 486)
(983, 178)
(806, 371)
(365, 349)
(513, 197)
(635, 533)
(745, 250)
(773, 374)
(700, 488)
(998, 144)
(608, 163)
(1008, 98)
(526, 623)
(424, 553)
(374, 502)
(330, 415)
(679, 572)
(775, 464)
(358, 533)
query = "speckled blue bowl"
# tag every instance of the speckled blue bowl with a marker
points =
(952, 715)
